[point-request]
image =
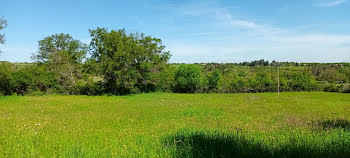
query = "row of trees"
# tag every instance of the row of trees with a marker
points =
(128, 63)
(191, 78)
(186, 78)
(119, 63)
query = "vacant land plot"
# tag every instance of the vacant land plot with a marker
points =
(182, 125)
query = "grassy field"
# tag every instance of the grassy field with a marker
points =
(176, 125)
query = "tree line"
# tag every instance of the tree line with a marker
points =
(117, 63)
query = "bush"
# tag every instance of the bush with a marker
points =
(331, 87)
(302, 81)
(165, 79)
(346, 89)
(187, 79)
(89, 88)
(239, 85)
(262, 82)
(213, 80)
(23, 80)
(5, 79)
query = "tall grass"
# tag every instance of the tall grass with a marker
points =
(204, 143)
(176, 125)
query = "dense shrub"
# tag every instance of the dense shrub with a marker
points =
(5, 78)
(239, 85)
(302, 81)
(187, 79)
(34, 79)
(330, 73)
(331, 87)
(14, 80)
(22, 82)
(346, 72)
(213, 81)
(89, 88)
(165, 79)
(346, 89)
(262, 82)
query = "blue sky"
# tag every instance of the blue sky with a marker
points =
(193, 30)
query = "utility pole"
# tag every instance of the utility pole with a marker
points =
(278, 80)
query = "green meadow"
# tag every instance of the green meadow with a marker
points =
(306, 124)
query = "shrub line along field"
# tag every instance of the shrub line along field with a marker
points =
(312, 124)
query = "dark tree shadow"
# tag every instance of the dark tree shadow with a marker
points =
(333, 124)
(232, 145)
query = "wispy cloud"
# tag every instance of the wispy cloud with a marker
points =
(217, 14)
(221, 14)
(254, 39)
(330, 3)
(224, 15)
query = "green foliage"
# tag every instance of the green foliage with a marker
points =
(183, 78)
(122, 63)
(331, 87)
(89, 88)
(62, 55)
(129, 62)
(346, 89)
(60, 49)
(346, 72)
(214, 79)
(239, 85)
(262, 82)
(330, 73)
(302, 82)
(165, 78)
(91, 67)
(5, 78)
(25, 80)
(187, 79)
(253, 81)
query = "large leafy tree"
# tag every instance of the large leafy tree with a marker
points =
(3, 24)
(63, 55)
(128, 62)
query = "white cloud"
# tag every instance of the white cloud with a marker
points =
(211, 10)
(221, 15)
(225, 16)
(254, 40)
(330, 3)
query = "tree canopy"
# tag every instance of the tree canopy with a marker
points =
(63, 55)
(61, 45)
(129, 62)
